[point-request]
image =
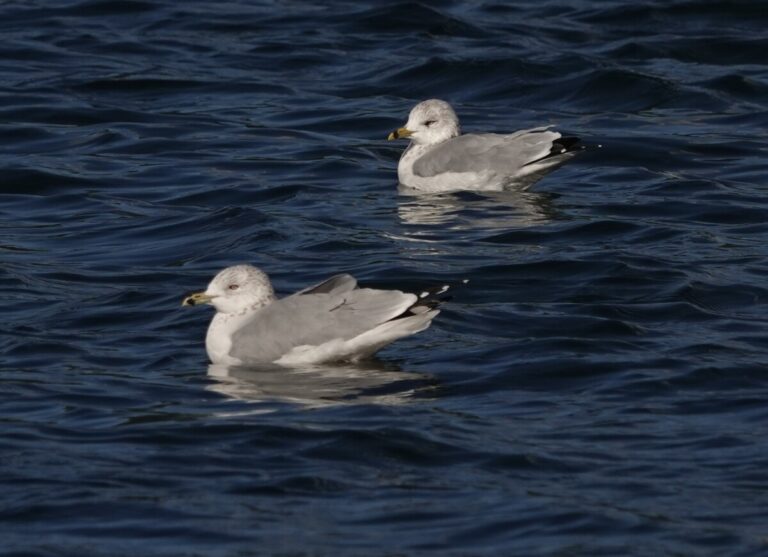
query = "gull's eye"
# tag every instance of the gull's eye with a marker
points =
(429, 122)
(233, 286)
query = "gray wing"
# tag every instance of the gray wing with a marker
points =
(335, 284)
(502, 154)
(312, 319)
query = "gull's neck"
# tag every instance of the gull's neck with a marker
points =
(218, 340)
(409, 157)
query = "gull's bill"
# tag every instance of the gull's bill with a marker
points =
(196, 299)
(399, 133)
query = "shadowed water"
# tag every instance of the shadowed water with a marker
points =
(597, 388)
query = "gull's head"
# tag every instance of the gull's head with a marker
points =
(430, 122)
(235, 290)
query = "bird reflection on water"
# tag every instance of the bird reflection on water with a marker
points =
(470, 211)
(370, 382)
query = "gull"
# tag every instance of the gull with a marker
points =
(440, 159)
(332, 321)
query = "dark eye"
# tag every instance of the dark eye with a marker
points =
(233, 286)
(429, 122)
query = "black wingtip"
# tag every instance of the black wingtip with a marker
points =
(565, 145)
(561, 146)
(431, 298)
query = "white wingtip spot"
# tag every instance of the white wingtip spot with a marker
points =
(423, 294)
(465, 281)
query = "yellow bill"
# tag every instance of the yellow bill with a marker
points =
(196, 299)
(399, 133)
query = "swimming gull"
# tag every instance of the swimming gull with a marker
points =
(329, 322)
(440, 159)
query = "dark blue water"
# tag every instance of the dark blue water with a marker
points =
(600, 387)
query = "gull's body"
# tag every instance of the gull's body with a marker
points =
(440, 159)
(332, 321)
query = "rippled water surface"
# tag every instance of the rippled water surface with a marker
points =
(598, 388)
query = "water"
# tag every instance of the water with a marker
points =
(599, 386)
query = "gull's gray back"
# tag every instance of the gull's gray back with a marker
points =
(488, 152)
(315, 318)
(335, 284)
